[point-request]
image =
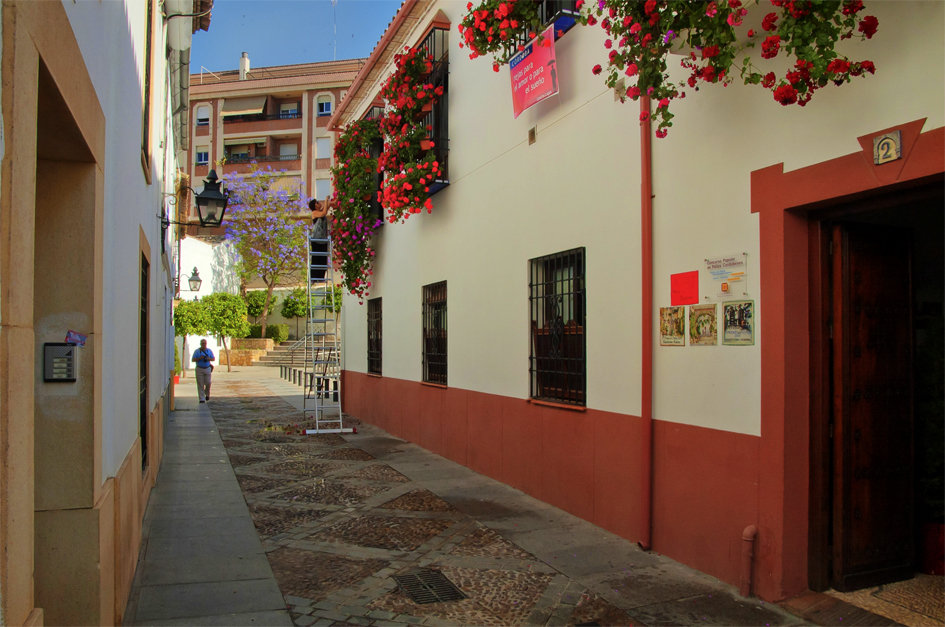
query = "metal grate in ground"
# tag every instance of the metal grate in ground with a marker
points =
(428, 586)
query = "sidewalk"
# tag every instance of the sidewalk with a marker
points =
(201, 562)
(339, 516)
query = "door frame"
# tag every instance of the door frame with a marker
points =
(791, 517)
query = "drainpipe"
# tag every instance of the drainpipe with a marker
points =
(646, 250)
(748, 542)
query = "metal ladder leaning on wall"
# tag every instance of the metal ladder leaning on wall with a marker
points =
(322, 379)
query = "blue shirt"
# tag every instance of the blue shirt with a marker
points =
(206, 354)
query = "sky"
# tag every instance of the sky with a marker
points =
(283, 32)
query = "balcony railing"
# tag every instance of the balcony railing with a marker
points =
(261, 118)
(563, 13)
(263, 158)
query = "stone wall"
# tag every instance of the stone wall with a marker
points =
(254, 344)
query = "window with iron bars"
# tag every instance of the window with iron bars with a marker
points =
(436, 47)
(374, 333)
(434, 333)
(563, 13)
(558, 348)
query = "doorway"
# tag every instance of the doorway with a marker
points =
(876, 348)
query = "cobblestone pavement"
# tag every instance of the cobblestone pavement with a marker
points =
(337, 523)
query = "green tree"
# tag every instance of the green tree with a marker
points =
(256, 304)
(267, 227)
(190, 318)
(226, 317)
(295, 305)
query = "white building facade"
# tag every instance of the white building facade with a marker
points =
(680, 448)
(90, 164)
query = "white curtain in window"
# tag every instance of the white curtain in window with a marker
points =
(323, 147)
(287, 150)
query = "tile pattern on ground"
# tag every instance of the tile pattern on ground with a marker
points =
(487, 543)
(377, 472)
(332, 493)
(271, 520)
(392, 533)
(419, 501)
(348, 453)
(494, 597)
(916, 602)
(315, 575)
(333, 537)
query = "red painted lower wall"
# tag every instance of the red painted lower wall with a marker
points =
(704, 481)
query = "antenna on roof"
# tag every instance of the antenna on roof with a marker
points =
(334, 23)
(202, 68)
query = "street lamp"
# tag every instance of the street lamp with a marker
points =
(211, 202)
(195, 281)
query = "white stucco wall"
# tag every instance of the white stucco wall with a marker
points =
(214, 261)
(509, 202)
(579, 185)
(131, 206)
(702, 204)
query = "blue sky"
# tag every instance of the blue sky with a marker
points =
(281, 32)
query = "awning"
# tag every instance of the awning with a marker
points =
(242, 141)
(244, 106)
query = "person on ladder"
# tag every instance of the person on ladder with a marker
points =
(319, 250)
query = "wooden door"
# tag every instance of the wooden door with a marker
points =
(872, 406)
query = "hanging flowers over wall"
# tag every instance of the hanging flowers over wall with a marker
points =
(352, 221)
(497, 27)
(407, 160)
(641, 35)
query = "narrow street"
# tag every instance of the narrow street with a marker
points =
(338, 517)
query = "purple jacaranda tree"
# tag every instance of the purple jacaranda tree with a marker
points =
(268, 226)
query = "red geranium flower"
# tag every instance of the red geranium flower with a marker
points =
(838, 66)
(785, 94)
(769, 23)
(770, 46)
(868, 26)
(596, 70)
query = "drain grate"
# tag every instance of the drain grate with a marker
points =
(428, 586)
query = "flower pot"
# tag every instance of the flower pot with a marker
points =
(426, 144)
(932, 548)
(367, 197)
(176, 379)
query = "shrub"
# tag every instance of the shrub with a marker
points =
(276, 332)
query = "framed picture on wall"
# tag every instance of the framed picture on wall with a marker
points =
(672, 326)
(703, 325)
(738, 323)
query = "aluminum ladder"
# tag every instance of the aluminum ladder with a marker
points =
(322, 379)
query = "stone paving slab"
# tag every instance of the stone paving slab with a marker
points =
(260, 619)
(338, 516)
(206, 568)
(208, 598)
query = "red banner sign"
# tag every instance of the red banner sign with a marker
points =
(533, 72)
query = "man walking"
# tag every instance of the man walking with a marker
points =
(202, 357)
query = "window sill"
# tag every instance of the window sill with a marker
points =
(376, 376)
(435, 385)
(535, 401)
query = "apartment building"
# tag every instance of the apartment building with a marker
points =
(269, 116)
(527, 304)
(91, 132)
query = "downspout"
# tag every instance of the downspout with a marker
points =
(646, 250)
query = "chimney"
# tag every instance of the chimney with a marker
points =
(244, 66)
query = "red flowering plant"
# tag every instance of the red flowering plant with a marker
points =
(497, 27)
(642, 34)
(407, 160)
(352, 221)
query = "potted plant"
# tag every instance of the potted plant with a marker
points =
(177, 367)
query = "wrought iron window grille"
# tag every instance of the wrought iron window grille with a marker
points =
(558, 347)
(375, 335)
(436, 47)
(562, 13)
(434, 333)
